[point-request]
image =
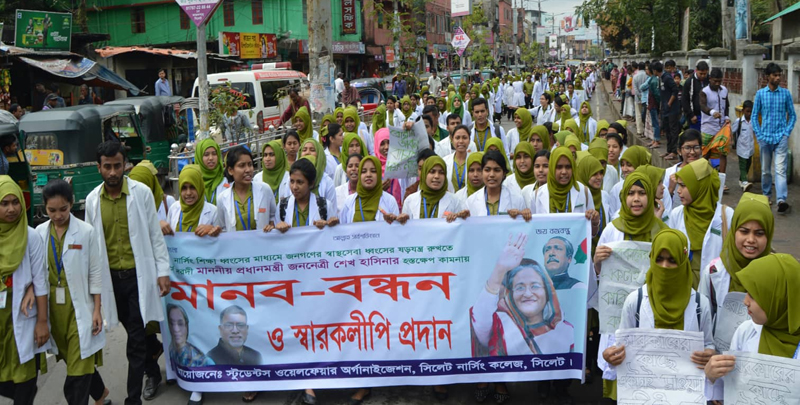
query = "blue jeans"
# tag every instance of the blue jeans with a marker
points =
(654, 124)
(778, 152)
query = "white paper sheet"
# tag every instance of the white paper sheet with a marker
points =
(622, 273)
(759, 379)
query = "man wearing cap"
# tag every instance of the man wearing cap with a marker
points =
(50, 101)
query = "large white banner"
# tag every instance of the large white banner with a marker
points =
(759, 379)
(657, 368)
(622, 273)
(374, 304)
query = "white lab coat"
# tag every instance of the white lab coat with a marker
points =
(509, 200)
(491, 134)
(224, 185)
(399, 119)
(86, 274)
(444, 148)
(283, 188)
(331, 163)
(339, 178)
(147, 242)
(712, 241)
(209, 216)
(32, 270)
(342, 192)
(580, 200)
(350, 208)
(449, 203)
(466, 118)
(541, 115)
(163, 211)
(327, 190)
(263, 207)
(313, 211)
(448, 163)
(610, 179)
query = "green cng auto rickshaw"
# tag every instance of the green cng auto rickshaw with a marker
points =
(62, 143)
(160, 126)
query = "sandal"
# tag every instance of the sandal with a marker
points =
(481, 393)
(654, 145)
(671, 156)
(501, 398)
(247, 398)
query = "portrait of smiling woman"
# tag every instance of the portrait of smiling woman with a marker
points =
(518, 312)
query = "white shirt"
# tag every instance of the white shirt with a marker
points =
(579, 200)
(313, 211)
(448, 204)
(209, 216)
(350, 208)
(283, 188)
(263, 207)
(434, 85)
(744, 143)
(342, 192)
(509, 200)
(338, 85)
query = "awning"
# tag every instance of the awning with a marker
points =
(81, 71)
(109, 51)
(785, 11)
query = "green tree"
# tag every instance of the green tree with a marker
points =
(476, 26)
(623, 20)
(529, 53)
(408, 29)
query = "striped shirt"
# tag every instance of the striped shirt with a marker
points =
(777, 115)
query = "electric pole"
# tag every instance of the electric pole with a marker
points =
(320, 55)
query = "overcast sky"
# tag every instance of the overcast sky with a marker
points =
(551, 6)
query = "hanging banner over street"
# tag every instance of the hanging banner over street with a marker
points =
(43, 30)
(460, 8)
(363, 305)
(199, 11)
(349, 16)
(460, 40)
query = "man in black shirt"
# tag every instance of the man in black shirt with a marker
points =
(233, 330)
(670, 107)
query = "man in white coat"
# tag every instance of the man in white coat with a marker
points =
(123, 214)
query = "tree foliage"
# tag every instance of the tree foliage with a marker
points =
(529, 53)
(476, 27)
(408, 28)
(621, 21)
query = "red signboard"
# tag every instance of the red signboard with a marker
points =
(389, 55)
(269, 43)
(349, 16)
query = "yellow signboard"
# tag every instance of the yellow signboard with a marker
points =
(44, 157)
(249, 46)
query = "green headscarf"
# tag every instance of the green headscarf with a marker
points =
(751, 207)
(424, 89)
(305, 116)
(572, 126)
(323, 129)
(211, 177)
(496, 142)
(566, 114)
(274, 176)
(572, 140)
(644, 227)
(474, 157)
(369, 200)
(319, 162)
(599, 149)
(601, 125)
(702, 182)
(190, 214)
(462, 90)
(431, 196)
(772, 282)
(348, 139)
(13, 234)
(350, 112)
(336, 112)
(145, 173)
(561, 137)
(447, 102)
(559, 193)
(583, 125)
(458, 112)
(524, 179)
(379, 118)
(403, 102)
(485, 91)
(636, 155)
(544, 135)
(655, 174)
(588, 166)
(526, 123)
(669, 289)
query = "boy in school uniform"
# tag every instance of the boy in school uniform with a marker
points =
(745, 145)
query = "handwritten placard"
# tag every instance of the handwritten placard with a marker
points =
(729, 317)
(403, 147)
(622, 273)
(762, 379)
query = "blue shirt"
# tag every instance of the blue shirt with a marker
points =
(162, 88)
(777, 115)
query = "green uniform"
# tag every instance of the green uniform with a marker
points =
(114, 213)
(10, 368)
(245, 209)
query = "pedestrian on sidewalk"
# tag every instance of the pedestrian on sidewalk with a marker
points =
(651, 93)
(137, 257)
(742, 131)
(775, 107)
(670, 107)
(714, 116)
(690, 98)
(638, 79)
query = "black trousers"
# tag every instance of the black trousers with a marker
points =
(126, 292)
(22, 393)
(670, 125)
(527, 101)
(77, 389)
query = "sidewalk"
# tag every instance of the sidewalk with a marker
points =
(783, 239)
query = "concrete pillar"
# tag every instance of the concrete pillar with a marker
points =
(793, 52)
(718, 57)
(753, 54)
(679, 57)
(694, 56)
(667, 56)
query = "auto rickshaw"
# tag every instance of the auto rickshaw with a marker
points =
(160, 126)
(18, 168)
(62, 143)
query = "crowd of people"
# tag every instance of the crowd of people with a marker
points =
(68, 280)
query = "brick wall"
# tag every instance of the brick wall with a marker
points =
(732, 79)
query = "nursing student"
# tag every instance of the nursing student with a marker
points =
(24, 321)
(456, 162)
(303, 207)
(302, 124)
(587, 126)
(246, 205)
(523, 128)
(474, 177)
(632, 158)
(433, 200)
(343, 191)
(668, 300)
(275, 173)
(378, 118)
(541, 167)
(599, 149)
(544, 112)
(700, 217)
(663, 207)
(457, 108)
(590, 173)
(291, 145)
(636, 222)
(772, 301)
(524, 173)
(370, 202)
(690, 149)
(563, 193)
(78, 280)
(208, 157)
(494, 198)
(352, 144)
(332, 143)
(323, 185)
(613, 169)
(145, 173)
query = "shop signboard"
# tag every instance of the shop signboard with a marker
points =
(43, 30)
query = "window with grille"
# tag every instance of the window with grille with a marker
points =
(137, 20)
(258, 15)
(184, 19)
(227, 13)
